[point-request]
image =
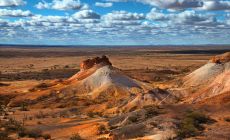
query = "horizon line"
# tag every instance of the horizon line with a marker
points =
(156, 45)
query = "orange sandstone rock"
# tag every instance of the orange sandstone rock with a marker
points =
(89, 63)
(221, 58)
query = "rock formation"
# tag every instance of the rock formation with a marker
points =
(223, 58)
(210, 80)
(89, 63)
(99, 81)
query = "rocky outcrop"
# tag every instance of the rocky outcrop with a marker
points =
(223, 58)
(210, 80)
(89, 63)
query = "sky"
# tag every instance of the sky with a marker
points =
(115, 22)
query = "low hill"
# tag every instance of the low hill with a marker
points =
(211, 80)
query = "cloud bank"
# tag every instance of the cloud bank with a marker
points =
(105, 22)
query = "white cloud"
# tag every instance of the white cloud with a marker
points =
(191, 17)
(188, 17)
(86, 14)
(215, 5)
(184, 4)
(3, 23)
(105, 5)
(11, 3)
(85, 26)
(43, 5)
(123, 15)
(113, 23)
(168, 4)
(117, 20)
(154, 14)
(51, 19)
(15, 13)
(62, 5)
(174, 4)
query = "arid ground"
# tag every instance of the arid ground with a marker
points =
(22, 68)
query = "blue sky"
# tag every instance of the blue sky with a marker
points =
(115, 22)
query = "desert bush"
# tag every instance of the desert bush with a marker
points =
(2, 111)
(109, 105)
(24, 107)
(10, 126)
(22, 133)
(63, 114)
(76, 137)
(39, 122)
(102, 129)
(133, 119)
(33, 133)
(133, 109)
(4, 84)
(100, 114)
(5, 99)
(42, 86)
(40, 115)
(91, 114)
(4, 135)
(46, 136)
(66, 66)
(151, 111)
(61, 106)
(32, 89)
(190, 125)
(13, 125)
(45, 70)
(227, 119)
(130, 131)
(18, 127)
(30, 118)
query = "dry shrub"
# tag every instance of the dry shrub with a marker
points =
(191, 124)
(133, 119)
(102, 129)
(33, 133)
(76, 137)
(41, 115)
(227, 119)
(151, 111)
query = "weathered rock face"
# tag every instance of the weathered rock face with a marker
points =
(89, 63)
(221, 58)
